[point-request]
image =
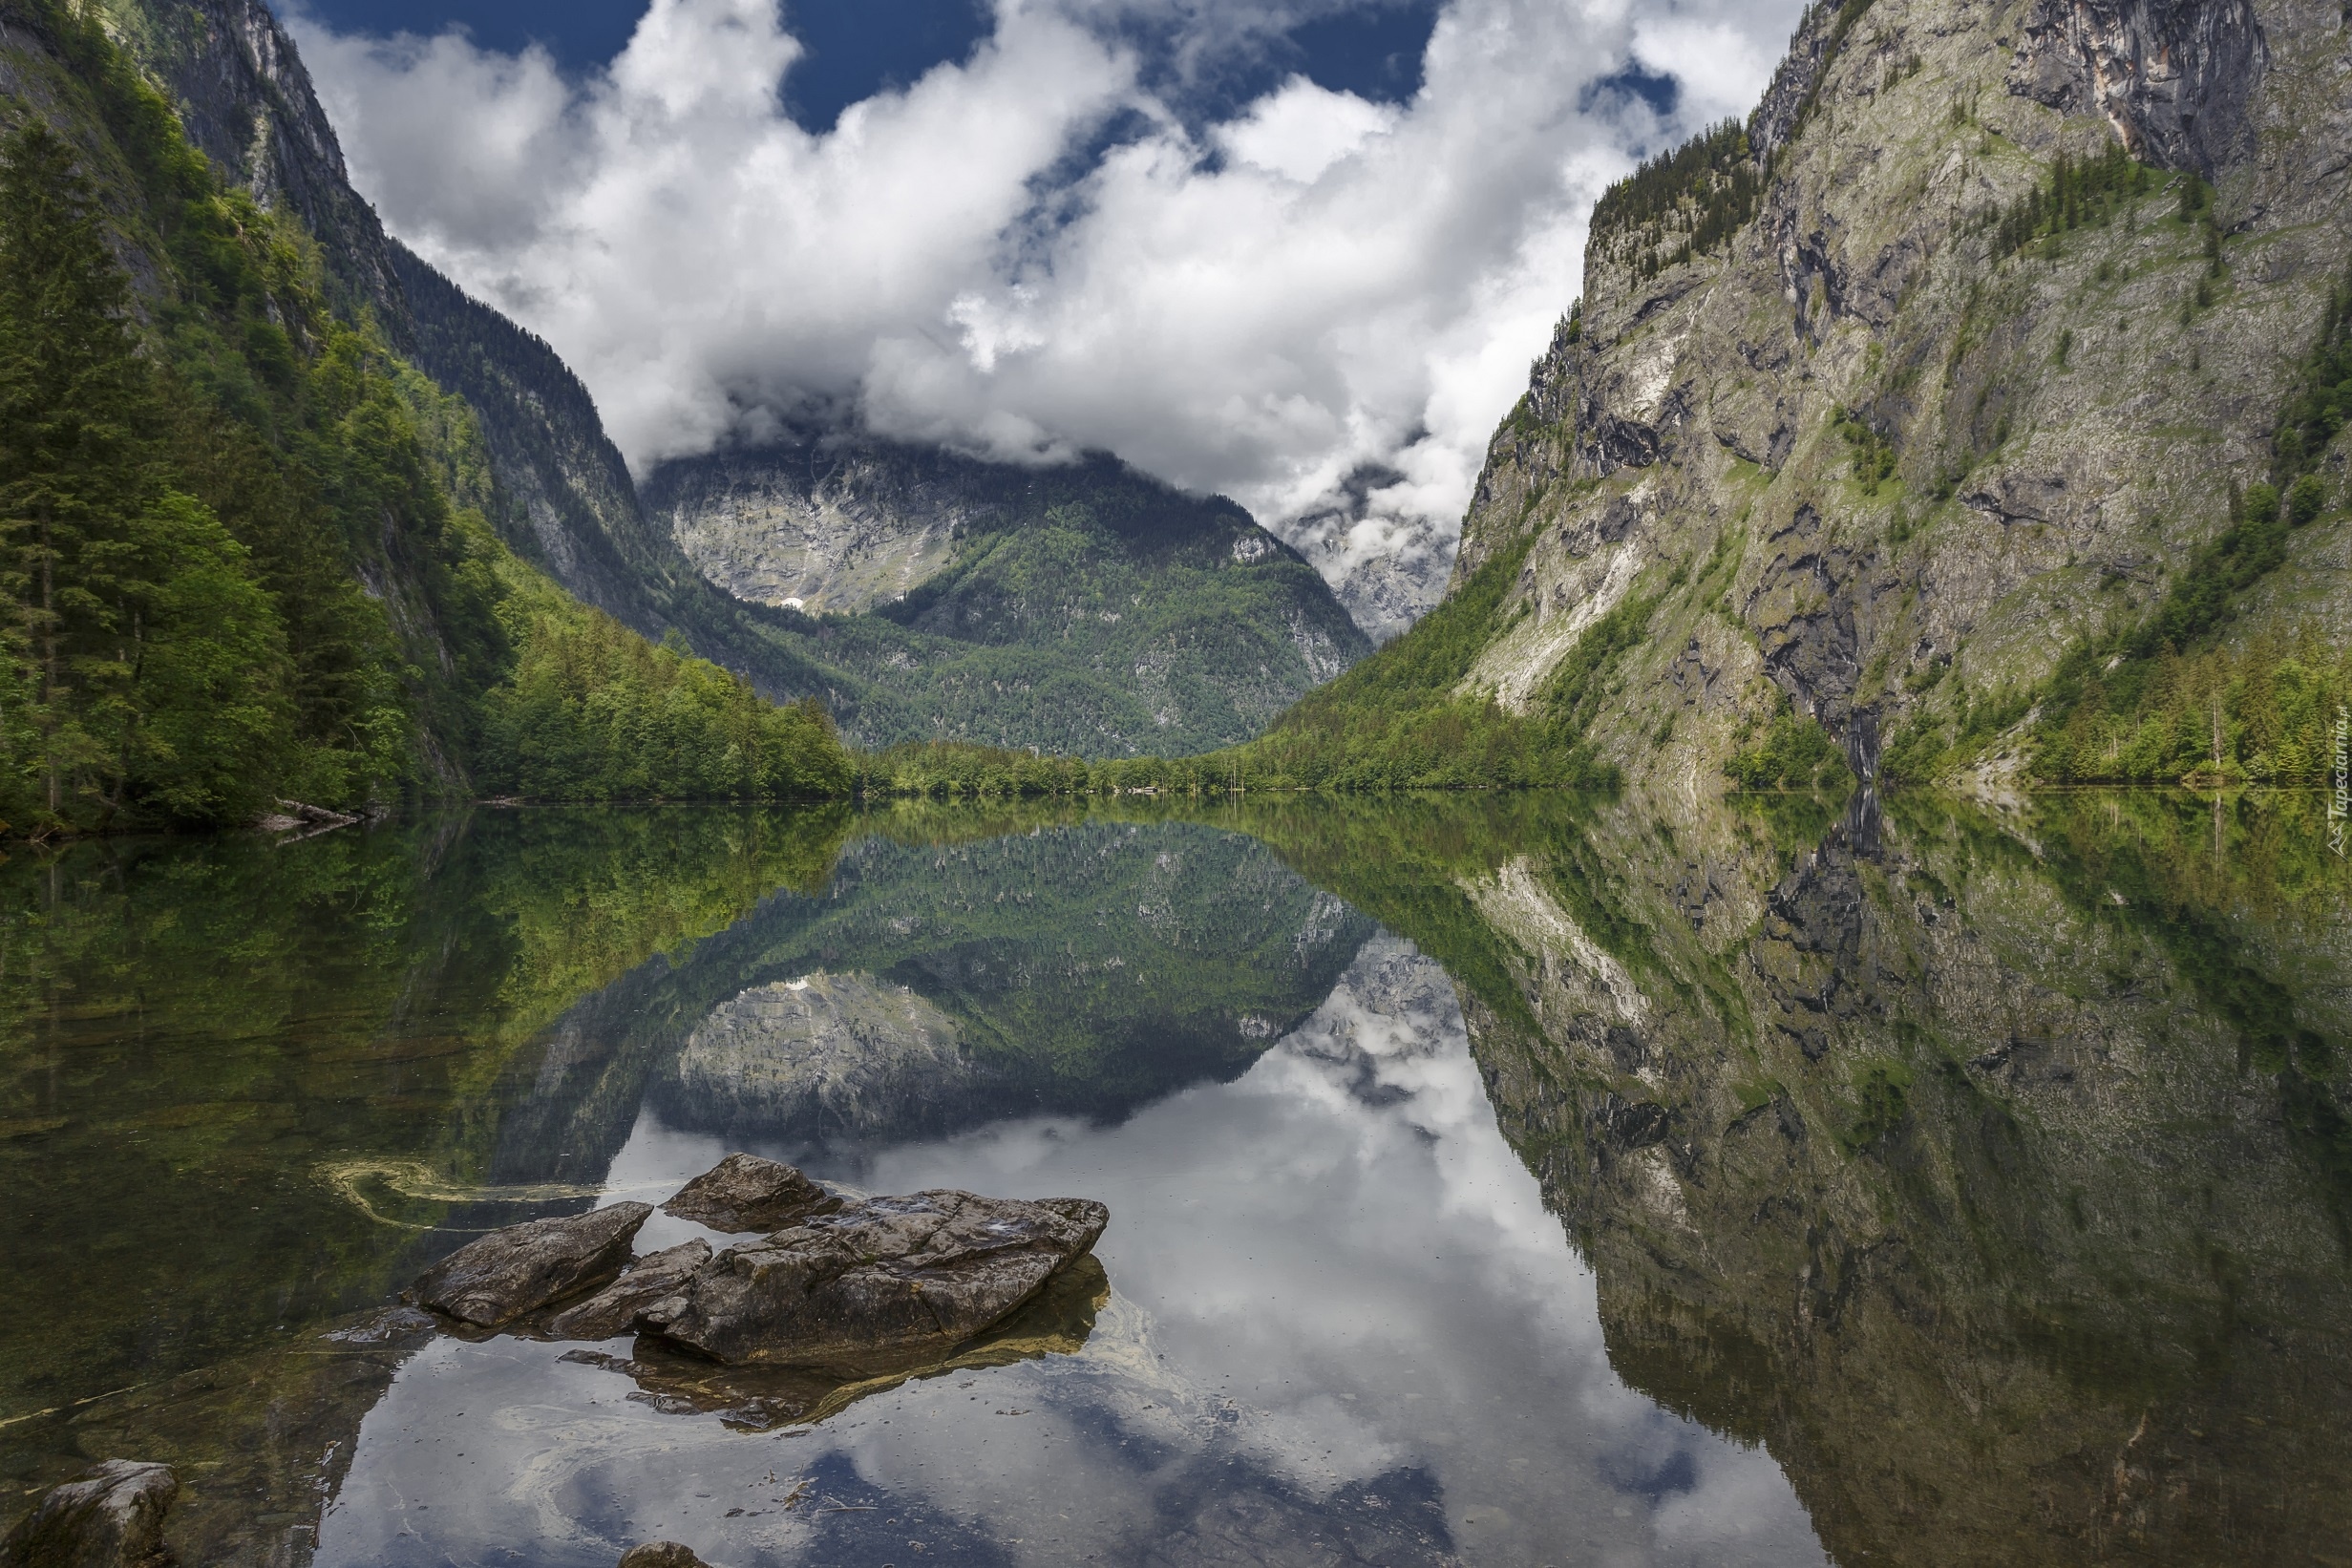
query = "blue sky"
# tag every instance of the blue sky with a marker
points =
(858, 48)
(1270, 248)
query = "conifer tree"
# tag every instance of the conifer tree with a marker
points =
(71, 452)
(147, 660)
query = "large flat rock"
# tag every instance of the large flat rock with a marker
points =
(525, 1267)
(877, 1282)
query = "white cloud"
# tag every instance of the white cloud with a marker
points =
(1721, 71)
(1317, 287)
(1300, 131)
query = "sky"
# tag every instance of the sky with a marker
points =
(1298, 252)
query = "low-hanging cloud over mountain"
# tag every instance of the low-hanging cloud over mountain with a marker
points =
(1318, 304)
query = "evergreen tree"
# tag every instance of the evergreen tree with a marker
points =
(71, 452)
(145, 658)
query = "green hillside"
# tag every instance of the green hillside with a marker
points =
(1084, 608)
(244, 543)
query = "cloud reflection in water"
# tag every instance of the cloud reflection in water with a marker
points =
(1341, 1319)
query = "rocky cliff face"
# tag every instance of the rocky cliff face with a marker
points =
(574, 506)
(563, 496)
(1849, 436)
(826, 527)
(247, 103)
(1083, 608)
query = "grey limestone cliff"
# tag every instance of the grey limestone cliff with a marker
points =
(247, 103)
(1847, 439)
(825, 527)
(1080, 607)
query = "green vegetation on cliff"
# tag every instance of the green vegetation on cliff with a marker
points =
(2171, 698)
(1397, 720)
(2263, 714)
(1703, 191)
(242, 544)
(1403, 718)
(2091, 191)
(1795, 753)
(1084, 608)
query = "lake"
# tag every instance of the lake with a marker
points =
(1492, 1180)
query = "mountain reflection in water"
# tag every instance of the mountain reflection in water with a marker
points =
(1511, 1181)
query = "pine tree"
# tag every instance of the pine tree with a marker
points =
(71, 450)
(147, 660)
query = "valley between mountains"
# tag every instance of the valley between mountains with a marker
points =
(1971, 411)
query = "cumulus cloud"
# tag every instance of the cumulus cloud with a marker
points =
(1319, 306)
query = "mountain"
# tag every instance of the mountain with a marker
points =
(1388, 592)
(564, 497)
(1083, 608)
(573, 505)
(243, 100)
(1192, 645)
(252, 551)
(1974, 409)
(921, 594)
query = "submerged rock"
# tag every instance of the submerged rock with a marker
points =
(613, 1310)
(878, 1281)
(525, 1267)
(746, 1193)
(760, 1397)
(111, 1517)
(661, 1553)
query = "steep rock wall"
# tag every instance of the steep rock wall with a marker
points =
(2063, 426)
(246, 102)
(1083, 608)
(834, 527)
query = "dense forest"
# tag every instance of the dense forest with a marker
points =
(234, 561)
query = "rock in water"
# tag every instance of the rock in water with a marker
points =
(661, 1553)
(613, 1310)
(523, 1267)
(746, 1193)
(108, 1517)
(877, 1281)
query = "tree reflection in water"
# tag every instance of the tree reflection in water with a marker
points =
(1991, 1173)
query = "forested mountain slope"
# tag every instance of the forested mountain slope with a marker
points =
(564, 496)
(1979, 400)
(1191, 658)
(1082, 608)
(574, 504)
(246, 546)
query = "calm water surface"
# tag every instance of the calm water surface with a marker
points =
(1519, 1183)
